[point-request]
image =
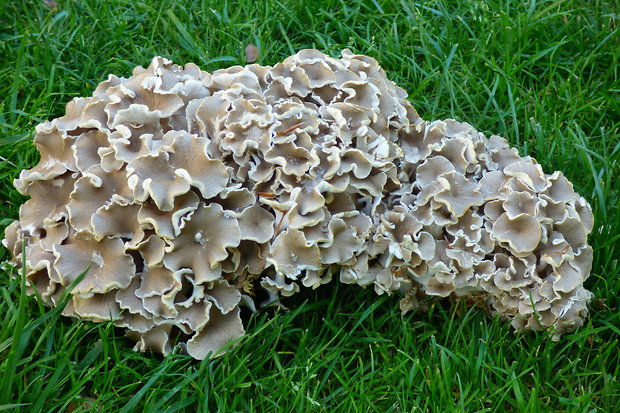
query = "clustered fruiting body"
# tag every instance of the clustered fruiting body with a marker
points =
(185, 192)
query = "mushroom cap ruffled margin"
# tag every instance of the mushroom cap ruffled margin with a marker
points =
(188, 195)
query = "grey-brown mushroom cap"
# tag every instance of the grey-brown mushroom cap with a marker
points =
(184, 195)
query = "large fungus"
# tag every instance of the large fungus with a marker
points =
(188, 194)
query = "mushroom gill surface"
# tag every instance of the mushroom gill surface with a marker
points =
(188, 194)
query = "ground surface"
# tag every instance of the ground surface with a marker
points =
(542, 74)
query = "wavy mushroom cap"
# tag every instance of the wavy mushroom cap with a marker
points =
(188, 194)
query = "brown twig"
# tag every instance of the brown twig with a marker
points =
(284, 212)
(291, 129)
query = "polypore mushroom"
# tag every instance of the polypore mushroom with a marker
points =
(186, 193)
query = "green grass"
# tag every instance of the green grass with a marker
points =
(543, 74)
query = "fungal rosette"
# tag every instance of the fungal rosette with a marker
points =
(188, 195)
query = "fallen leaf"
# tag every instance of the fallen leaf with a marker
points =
(51, 4)
(251, 53)
(85, 403)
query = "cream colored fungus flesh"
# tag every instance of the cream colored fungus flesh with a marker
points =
(191, 194)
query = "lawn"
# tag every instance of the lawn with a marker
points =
(543, 74)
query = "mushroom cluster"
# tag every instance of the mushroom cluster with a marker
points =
(187, 195)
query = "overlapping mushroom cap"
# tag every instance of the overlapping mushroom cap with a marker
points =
(185, 192)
